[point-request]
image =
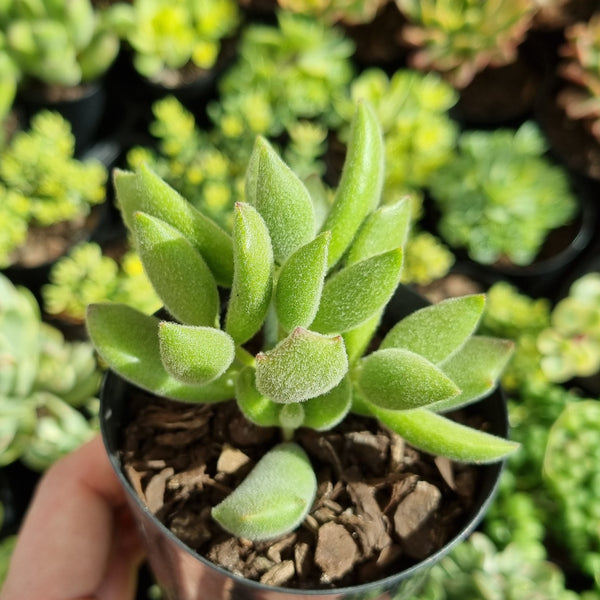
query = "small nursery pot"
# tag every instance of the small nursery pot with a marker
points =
(183, 574)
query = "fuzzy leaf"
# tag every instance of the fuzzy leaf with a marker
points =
(357, 340)
(356, 293)
(475, 369)
(437, 331)
(255, 407)
(300, 284)
(385, 229)
(326, 411)
(144, 191)
(177, 271)
(397, 379)
(438, 435)
(268, 504)
(127, 340)
(303, 365)
(253, 278)
(359, 191)
(194, 355)
(281, 199)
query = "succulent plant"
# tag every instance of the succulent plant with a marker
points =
(9, 77)
(312, 300)
(460, 38)
(167, 35)
(45, 384)
(60, 43)
(86, 275)
(425, 259)
(477, 570)
(351, 12)
(419, 134)
(573, 480)
(501, 195)
(41, 181)
(570, 345)
(581, 67)
(296, 70)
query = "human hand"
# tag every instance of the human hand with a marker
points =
(78, 539)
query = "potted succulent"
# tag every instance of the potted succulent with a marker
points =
(48, 197)
(177, 47)
(293, 350)
(475, 45)
(504, 201)
(62, 51)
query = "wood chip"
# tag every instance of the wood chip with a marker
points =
(373, 523)
(444, 466)
(336, 551)
(231, 460)
(279, 574)
(155, 490)
(414, 510)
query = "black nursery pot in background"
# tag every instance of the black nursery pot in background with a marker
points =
(183, 574)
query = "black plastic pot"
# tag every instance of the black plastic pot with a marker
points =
(185, 575)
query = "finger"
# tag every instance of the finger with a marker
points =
(68, 531)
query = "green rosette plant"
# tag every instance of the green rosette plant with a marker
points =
(309, 298)
(47, 385)
(59, 43)
(502, 195)
(350, 12)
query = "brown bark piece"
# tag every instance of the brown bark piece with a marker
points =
(336, 551)
(155, 490)
(279, 574)
(416, 508)
(231, 460)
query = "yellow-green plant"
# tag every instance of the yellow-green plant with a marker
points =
(86, 275)
(351, 12)
(459, 38)
(41, 181)
(166, 35)
(312, 297)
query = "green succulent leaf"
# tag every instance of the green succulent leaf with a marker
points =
(282, 200)
(144, 191)
(359, 191)
(326, 411)
(253, 274)
(177, 271)
(356, 293)
(475, 369)
(195, 355)
(385, 229)
(300, 284)
(303, 365)
(127, 340)
(267, 504)
(357, 340)
(398, 379)
(437, 331)
(441, 436)
(257, 408)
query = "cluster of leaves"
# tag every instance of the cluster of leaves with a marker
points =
(500, 196)
(295, 70)
(44, 381)
(412, 107)
(477, 570)
(41, 181)
(351, 12)
(9, 78)
(572, 475)
(570, 345)
(166, 35)
(581, 67)
(190, 161)
(426, 259)
(86, 275)
(460, 38)
(61, 43)
(311, 291)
